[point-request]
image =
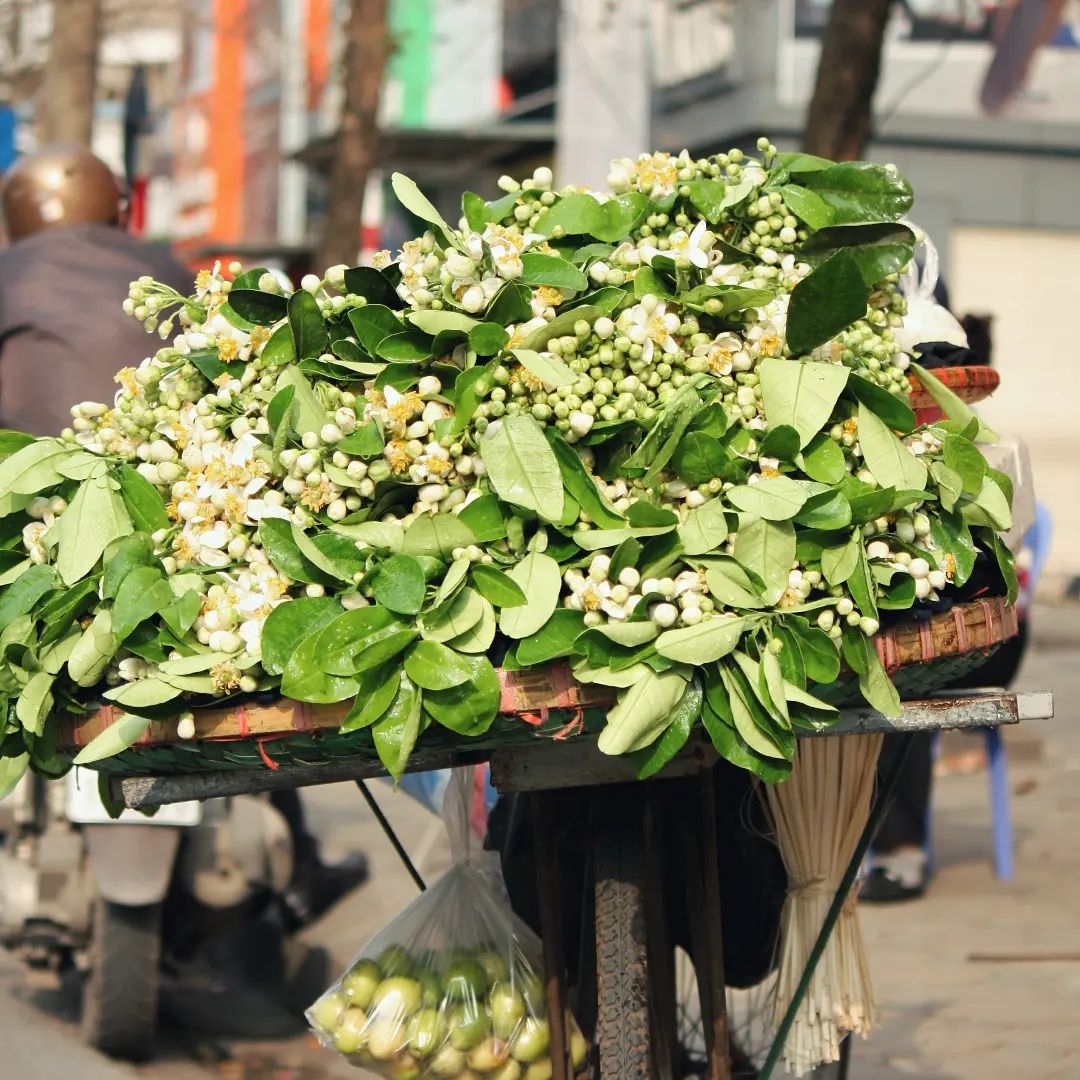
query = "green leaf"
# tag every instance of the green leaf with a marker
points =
(276, 539)
(879, 249)
(143, 501)
(887, 406)
(469, 708)
(553, 640)
(776, 498)
(59, 612)
(452, 583)
(651, 760)
(522, 467)
(25, 592)
(396, 733)
(11, 442)
(580, 214)
(497, 587)
(859, 192)
(839, 563)
(953, 537)
(729, 592)
(580, 484)
(700, 457)
(704, 529)
(890, 462)
(876, 686)
(480, 635)
(823, 461)
(258, 307)
(807, 206)
(209, 362)
(372, 285)
(990, 507)
(12, 770)
(820, 656)
(289, 623)
(378, 688)
(537, 575)
(767, 548)
(474, 210)
(360, 640)
(862, 586)
(455, 619)
(484, 519)
(95, 518)
(35, 702)
(642, 712)
(374, 323)
(278, 350)
(93, 651)
(442, 322)
(308, 413)
(731, 746)
(545, 366)
(1005, 561)
(366, 441)
(511, 305)
(781, 442)
(707, 197)
(541, 269)
(436, 535)
(279, 416)
(404, 347)
(304, 680)
(34, 467)
(117, 737)
(964, 458)
(143, 694)
(143, 593)
(487, 338)
(826, 301)
(771, 683)
(743, 708)
(709, 640)
(951, 405)
(341, 568)
(399, 584)
(801, 395)
(827, 511)
(416, 202)
(434, 666)
(306, 325)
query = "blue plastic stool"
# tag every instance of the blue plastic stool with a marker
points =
(997, 766)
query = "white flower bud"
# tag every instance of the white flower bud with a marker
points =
(238, 546)
(226, 641)
(473, 299)
(825, 619)
(922, 588)
(869, 626)
(429, 386)
(845, 606)
(185, 726)
(581, 423)
(664, 615)
(331, 433)
(432, 493)
(694, 499)
(629, 577)
(315, 590)
(919, 568)
(459, 265)
(878, 549)
(691, 615)
(337, 510)
(350, 601)
(311, 283)
(938, 579)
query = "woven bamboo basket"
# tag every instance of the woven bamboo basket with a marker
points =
(970, 384)
(539, 703)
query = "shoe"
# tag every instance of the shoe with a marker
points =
(316, 887)
(881, 886)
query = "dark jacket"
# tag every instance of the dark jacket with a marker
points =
(63, 333)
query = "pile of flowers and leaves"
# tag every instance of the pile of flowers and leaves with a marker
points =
(661, 433)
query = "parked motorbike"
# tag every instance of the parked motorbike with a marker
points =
(81, 890)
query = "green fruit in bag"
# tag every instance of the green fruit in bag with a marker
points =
(488, 1055)
(467, 1027)
(386, 1036)
(532, 1041)
(396, 998)
(326, 1012)
(431, 991)
(447, 1062)
(427, 1032)
(405, 1067)
(360, 984)
(540, 1070)
(494, 966)
(579, 1047)
(507, 1009)
(395, 960)
(510, 1071)
(465, 980)
(350, 1036)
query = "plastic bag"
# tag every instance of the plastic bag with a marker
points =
(452, 988)
(926, 319)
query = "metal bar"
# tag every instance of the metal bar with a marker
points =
(392, 836)
(544, 817)
(877, 812)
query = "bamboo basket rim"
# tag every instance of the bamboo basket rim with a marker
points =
(534, 693)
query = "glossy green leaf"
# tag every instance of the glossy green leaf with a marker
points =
(838, 563)
(34, 467)
(142, 694)
(143, 593)
(434, 666)
(307, 412)
(800, 395)
(580, 484)
(826, 301)
(890, 462)
(807, 206)
(258, 307)
(553, 640)
(96, 517)
(823, 460)
(860, 192)
(416, 202)
(359, 640)
(276, 539)
(26, 591)
(650, 761)
(480, 635)
(93, 651)
(820, 655)
(704, 529)
(455, 619)
(702, 644)
(396, 732)
(642, 712)
(767, 548)
(545, 366)
(399, 584)
(143, 501)
(469, 708)
(487, 338)
(879, 248)
(306, 325)
(827, 511)
(730, 593)
(124, 731)
(443, 322)
(538, 577)
(304, 680)
(581, 214)
(372, 284)
(378, 688)
(35, 702)
(289, 623)
(541, 269)
(522, 467)
(775, 498)
(497, 587)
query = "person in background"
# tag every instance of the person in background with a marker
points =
(64, 335)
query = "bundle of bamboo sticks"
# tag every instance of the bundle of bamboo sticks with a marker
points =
(819, 814)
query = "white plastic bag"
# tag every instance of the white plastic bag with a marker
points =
(926, 320)
(452, 987)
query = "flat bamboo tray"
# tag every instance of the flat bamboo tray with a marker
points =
(543, 702)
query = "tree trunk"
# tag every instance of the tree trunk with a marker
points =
(838, 119)
(367, 47)
(66, 98)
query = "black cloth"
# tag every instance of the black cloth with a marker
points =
(63, 333)
(905, 823)
(752, 877)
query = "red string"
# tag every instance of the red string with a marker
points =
(268, 761)
(243, 720)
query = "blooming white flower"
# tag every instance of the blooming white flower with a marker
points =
(649, 326)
